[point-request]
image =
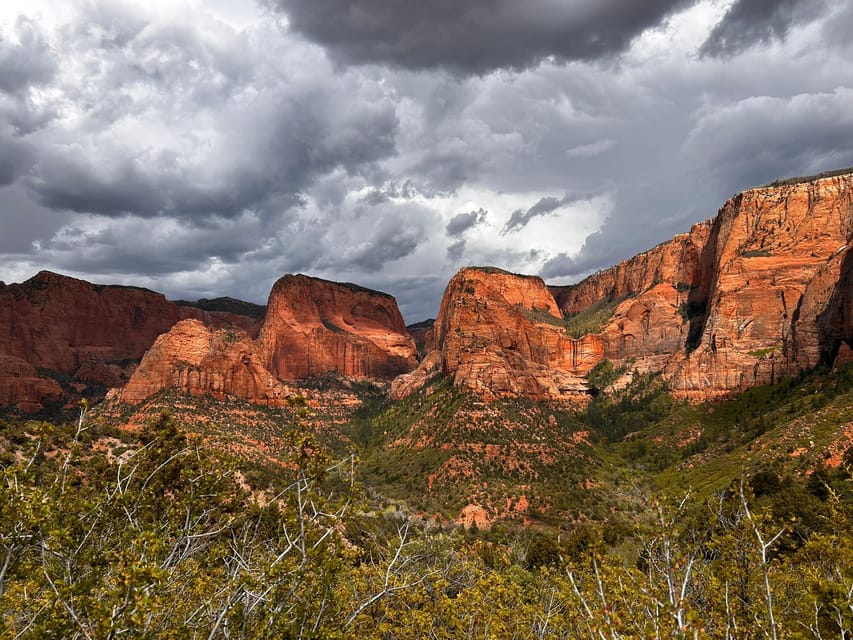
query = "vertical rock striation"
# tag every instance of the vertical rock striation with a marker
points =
(314, 326)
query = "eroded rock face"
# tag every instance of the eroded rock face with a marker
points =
(500, 334)
(776, 256)
(84, 331)
(21, 385)
(763, 291)
(677, 262)
(202, 361)
(314, 326)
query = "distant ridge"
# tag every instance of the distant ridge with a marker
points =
(228, 305)
(800, 179)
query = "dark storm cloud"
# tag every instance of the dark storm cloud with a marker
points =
(477, 36)
(155, 246)
(375, 237)
(15, 158)
(461, 222)
(184, 121)
(295, 142)
(456, 250)
(751, 22)
(26, 62)
(520, 218)
(757, 140)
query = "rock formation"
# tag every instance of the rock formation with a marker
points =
(500, 334)
(775, 256)
(23, 387)
(421, 333)
(200, 361)
(760, 292)
(84, 332)
(314, 326)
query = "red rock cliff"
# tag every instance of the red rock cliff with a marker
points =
(777, 259)
(500, 334)
(760, 292)
(676, 262)
(314, 326)
(200, 361)
(85, 331)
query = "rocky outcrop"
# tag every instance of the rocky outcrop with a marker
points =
(200, 361)
(23, 387)
(86, 332)
(760, 292)
(500, 334)
(421, 333)
(776, 294)
(314, 327)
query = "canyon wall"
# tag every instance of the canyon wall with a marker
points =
(314, 326)
(760, 292)
(197, 360)
(78, 332)
(500, 334)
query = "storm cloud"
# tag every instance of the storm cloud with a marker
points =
(477, 36)
(460, 223)
(204, 148)
(544, 206)
(751, 22)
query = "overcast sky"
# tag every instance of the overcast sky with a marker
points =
(207, 147)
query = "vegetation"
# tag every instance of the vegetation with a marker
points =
(104, 534)
(643, 516)
(592, 319)
(819, 176)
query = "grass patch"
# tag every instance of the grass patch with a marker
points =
(760, 353)
(593, 318)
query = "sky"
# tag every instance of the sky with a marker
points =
(205, 148)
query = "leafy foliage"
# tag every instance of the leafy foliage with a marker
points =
(107, 534)
(593, 318)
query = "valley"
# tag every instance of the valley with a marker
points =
(685, 417)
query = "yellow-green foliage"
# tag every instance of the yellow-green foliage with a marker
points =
(164, 544)
(592, 319)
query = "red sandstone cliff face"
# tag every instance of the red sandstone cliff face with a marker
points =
(761, 292)
(314, 326)
(21, 385)
(677, 261)
(500, 334)
(84, 331)
(776, 258)
(200, 361)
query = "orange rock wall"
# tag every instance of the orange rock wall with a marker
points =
(501, 334)
(200, 361)
(85, 331)
(764, 290)
(314, 327)
(776, 267)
